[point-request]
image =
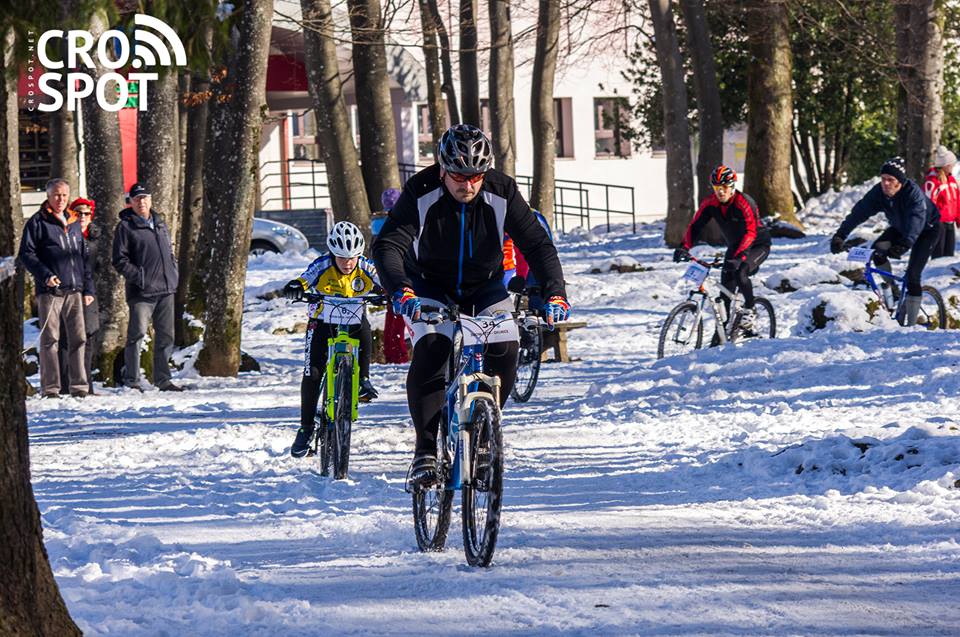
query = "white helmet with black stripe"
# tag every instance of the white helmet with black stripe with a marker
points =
(345, 240)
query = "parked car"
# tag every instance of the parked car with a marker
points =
(273, 236)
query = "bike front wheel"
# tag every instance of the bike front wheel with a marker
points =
(682, 332)
(528, 363)
(342, 417)
(483, 491)
(432, 507)
(933, 311)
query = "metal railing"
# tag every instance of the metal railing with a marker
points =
(302, 183)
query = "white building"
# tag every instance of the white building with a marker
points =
(589, 94)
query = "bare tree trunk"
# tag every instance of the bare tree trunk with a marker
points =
(378, 139)
(64, 154)
(431, 55)
(158, 148)
(770, 114)
(347, 194)
(500, 86)
(923, 83)
(906, 70)
(448, 86)
(469, 74)
(710, 154)
(230, 184)
(675, 129)
(192, 215)
(104, 171)
(541, 108)
(30, 602)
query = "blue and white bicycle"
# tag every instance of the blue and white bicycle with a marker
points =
(470, 443)
(889, 291)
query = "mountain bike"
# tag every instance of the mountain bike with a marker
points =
(683, 329)
(531, 344)
(470, 444)
(933, 312)
(340, 384)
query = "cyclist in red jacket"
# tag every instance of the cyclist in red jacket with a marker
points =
(748, 243)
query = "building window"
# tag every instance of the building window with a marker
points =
(610, 117)
(563, 120)
(424, 134)
(34, 144)
(304, 136)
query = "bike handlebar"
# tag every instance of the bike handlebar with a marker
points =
(316, 297)
(716, 263)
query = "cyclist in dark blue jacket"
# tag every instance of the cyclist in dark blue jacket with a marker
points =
(914, 224)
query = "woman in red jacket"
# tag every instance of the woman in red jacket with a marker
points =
(942, 188)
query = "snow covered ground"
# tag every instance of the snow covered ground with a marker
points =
(804, 486)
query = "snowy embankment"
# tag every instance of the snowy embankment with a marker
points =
(807, 485)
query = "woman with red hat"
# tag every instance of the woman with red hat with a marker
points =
(81, 211)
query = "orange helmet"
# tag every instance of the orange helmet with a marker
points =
(723, 176)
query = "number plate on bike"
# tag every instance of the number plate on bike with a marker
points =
(860, 255)
(341, 311)
(696, 274)
(478, 331)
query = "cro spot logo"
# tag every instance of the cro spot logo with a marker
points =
(149, 50)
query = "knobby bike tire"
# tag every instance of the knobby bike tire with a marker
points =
(765, 315)
(322, 428)
(528, 368)
(676, 320)
(432, 508)
(483, 491)
(938, 318)
(342, 417)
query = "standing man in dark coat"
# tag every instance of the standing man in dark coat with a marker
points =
(143, 254)
(52, 250)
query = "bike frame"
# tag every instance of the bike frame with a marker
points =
(719, 311)
(869, 270)
(461, 394)
(337, 347)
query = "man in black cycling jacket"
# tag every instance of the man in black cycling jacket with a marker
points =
(452, 217)
(914, 223)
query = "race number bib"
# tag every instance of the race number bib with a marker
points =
(860, 255)
(477, 331)
(696, 274)
(341, 311)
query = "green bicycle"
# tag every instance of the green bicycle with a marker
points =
(340, 385)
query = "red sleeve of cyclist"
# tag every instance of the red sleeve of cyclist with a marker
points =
(695, 223)
(751, 222)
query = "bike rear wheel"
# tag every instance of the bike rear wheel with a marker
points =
(528, 362)
(342, 417)
(764, 320)
(432, 507)
(933, 311)
(682, 332)
(483, 492)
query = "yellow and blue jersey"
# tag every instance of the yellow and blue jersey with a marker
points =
(323, 277)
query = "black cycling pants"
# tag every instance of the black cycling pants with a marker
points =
(946, 241)
(315, 362)
(919, 255)
(736, 273)
(426, 382)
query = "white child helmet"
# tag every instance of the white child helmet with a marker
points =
(345, 240)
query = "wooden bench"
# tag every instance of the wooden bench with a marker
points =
(556, 341)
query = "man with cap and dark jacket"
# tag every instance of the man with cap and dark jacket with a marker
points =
(52, 250)
(143, 254)
(914, 224)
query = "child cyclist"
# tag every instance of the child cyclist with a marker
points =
(343, 272)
